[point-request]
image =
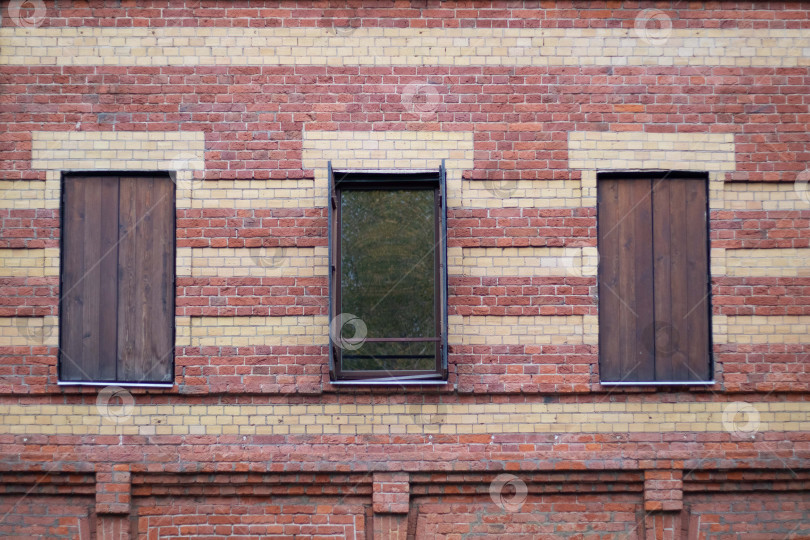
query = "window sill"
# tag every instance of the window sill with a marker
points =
(658, 383)
(378, 382)
(115, 383)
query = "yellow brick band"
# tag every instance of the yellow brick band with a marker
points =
(642, 150)
(182, 330)
(173, 46)
(24, 262)
(771, 329)
(782, 262)
(181, 152)
(765, 196)
(521, 194)
(526, 261)
(284, 193)
(592, 151)
(313, 330)
(22, 194)
(389, 150)
(29, 331)
(259, 262)
(258, 331)
(718, 261)
(522, 330)
(736, 418)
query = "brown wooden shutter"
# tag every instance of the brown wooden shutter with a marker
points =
(653, 279)
(146, 279)
(117, 314)
(681, 280)
(89, 269)
(625, 280)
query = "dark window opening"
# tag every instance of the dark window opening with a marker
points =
(388, 276)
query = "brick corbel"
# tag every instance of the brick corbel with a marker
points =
(663, 490)
(663, 504)
(391, 494)
(391, 502)
(114, 491)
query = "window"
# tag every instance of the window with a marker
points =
(388, 299)
(653, 278)
(117, 302)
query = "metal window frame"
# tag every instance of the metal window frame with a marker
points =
(390, 179)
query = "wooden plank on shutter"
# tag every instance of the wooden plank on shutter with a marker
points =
(681, 273)
(146, 279)
(670, 300)
(88, 307)
(697, 321)
(625, 280)
(609, 271)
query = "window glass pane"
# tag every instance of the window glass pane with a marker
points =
(391, 357)
(387, 250)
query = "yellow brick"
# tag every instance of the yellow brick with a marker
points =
(402, 46)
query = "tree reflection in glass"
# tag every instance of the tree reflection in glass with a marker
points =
(387, 273)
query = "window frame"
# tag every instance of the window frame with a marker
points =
(653, 176)
(424, 179)
(67, 176)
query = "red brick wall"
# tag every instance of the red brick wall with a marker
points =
(23, 517)
(585, 517)
(748, 516)
(250, 518)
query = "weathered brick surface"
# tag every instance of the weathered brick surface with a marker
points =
(391, 493)
(113, 491)
(549, 516)
(46, 516)
(755, 516)
(250, 518)
(663, 490)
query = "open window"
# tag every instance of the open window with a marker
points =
(388, 281)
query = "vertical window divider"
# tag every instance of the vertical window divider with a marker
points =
(331, 205)
(443, 267)
(652, 270)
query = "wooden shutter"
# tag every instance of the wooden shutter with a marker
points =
(117, 311)
(653, 279)
(146, 279)
(681, 280)
(625, 280)
(89, 269)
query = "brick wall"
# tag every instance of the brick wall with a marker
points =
(40, 516)
(249, 518)
(551, 516)
(245, 104)
(752, 515)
